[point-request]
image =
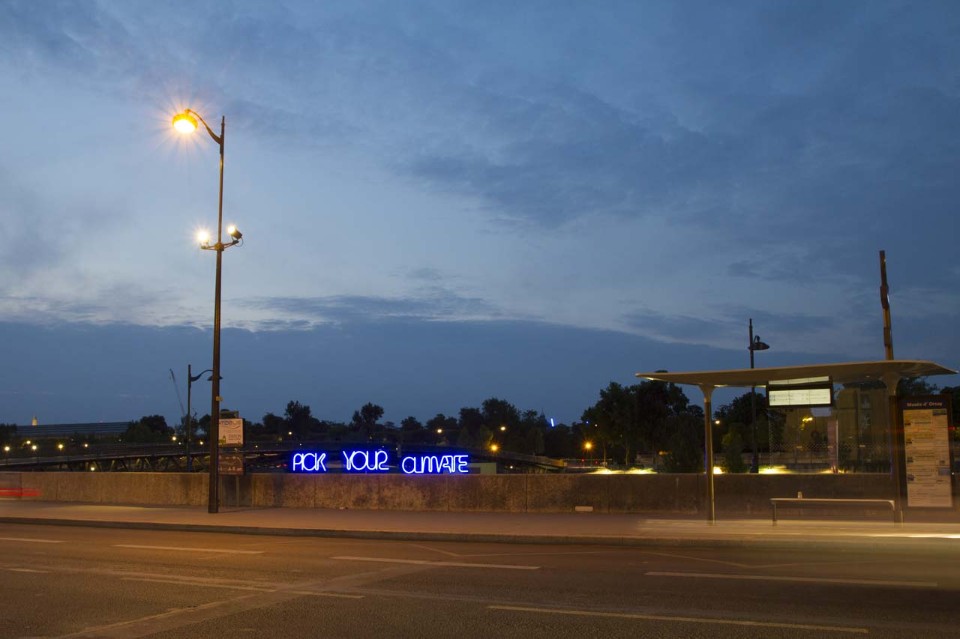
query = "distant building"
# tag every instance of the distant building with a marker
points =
(68, 430)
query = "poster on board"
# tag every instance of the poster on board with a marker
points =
(231, 432)
(926, 422)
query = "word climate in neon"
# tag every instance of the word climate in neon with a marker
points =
(434, 464)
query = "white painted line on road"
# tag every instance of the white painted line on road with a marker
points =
(226, 551)
(707, 620)
(817, 580)
(314, 593)
(215, 584)
(32, 541)
(30, 570)
(200, 584)
(444, 564)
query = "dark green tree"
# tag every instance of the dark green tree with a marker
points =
(497, 413)
(615, 415)
(366, 420)
(274, 425)
(684, 449)
(410, 425)
(912, 386)
(532, 433)
(149, 429)
(560, 443)
(733, 452)
(442, 429)
(472, 433)
(298, 420)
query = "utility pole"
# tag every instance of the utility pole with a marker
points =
(885, 303)
(892, 382)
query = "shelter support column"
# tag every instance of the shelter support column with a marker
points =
(897, 460)
(708, 450)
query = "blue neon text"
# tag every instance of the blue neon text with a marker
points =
(309, 462)
(377, 461)
(434, 464)
(363, 461)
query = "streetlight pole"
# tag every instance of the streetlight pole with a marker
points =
(186, 122)
(190, 380)
(755, 345)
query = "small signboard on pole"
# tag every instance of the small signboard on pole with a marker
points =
(231, 463)
(231, 432)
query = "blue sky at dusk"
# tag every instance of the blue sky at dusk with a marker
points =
(447, 201)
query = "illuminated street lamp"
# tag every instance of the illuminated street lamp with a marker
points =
(188, 122)
(756, 345)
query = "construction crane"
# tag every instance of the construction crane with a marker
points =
(173, 377)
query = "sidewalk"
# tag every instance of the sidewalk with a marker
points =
(540, 528)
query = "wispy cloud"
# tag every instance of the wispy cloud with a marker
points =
(438, 305)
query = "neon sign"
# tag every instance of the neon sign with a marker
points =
(434, 464)
(362, 461)
(377, 461)
(309, 463)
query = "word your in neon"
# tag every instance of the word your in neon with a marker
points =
(363, 461)
(309, 462)
(434, 464)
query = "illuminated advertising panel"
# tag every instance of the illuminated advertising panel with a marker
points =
(799, 396)
(378, 461)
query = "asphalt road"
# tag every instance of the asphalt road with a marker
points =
(61, 581)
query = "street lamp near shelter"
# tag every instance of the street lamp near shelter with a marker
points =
(187, 122)
(755, 344)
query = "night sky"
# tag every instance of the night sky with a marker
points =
(447, 201)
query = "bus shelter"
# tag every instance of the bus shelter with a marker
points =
(806, 385)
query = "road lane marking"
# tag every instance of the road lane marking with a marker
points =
(199, 584)
(218, 584)
(444, 564)
(437, 550)
(706, 620)
(32, 541)
(226, 551)
(30, 570)
(818, 580)
(315, 593)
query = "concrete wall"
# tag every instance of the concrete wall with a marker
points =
(681, 493)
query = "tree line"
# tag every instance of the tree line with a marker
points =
(652, 420)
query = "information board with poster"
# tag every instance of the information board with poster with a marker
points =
(926, 422)
(231, 463)
(231, 432)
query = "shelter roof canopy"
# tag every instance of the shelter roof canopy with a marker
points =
(842, 373)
